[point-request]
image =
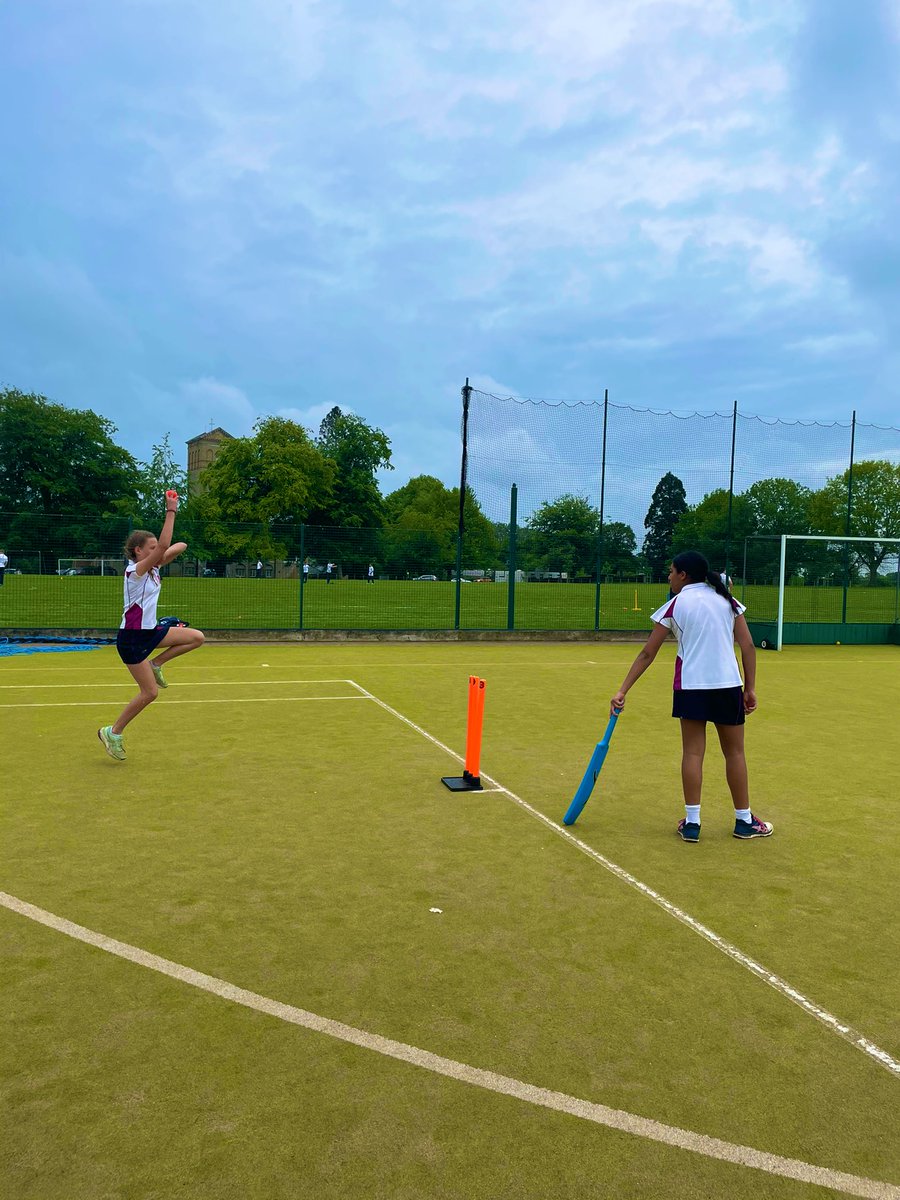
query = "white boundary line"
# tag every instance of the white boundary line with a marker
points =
(125, 683)
(169, 703)
(847, 1032)
(586, 1110)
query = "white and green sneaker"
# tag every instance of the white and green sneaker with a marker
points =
(112, 742)
(158, 676)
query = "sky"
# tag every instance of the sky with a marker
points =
(212, 211)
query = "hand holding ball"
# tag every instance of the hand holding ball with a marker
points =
(171, 500)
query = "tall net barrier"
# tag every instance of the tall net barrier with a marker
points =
(571, 513)
(605, 494)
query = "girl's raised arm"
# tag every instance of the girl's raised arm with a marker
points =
(156, 556)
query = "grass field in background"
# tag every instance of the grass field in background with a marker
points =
(76, 602)
(276, 829)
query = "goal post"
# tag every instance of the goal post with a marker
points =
(819, 589)
(89, 566)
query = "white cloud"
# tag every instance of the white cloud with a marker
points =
(835, 343)
(213, 402)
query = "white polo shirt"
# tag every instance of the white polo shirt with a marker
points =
(141, 596)
(703, 624)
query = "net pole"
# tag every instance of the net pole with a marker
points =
(744, 574)
(511, 560)
(730, 491)
(466, 397)
(602, 501)
(849, 519)
(779, 636)
(301, 572)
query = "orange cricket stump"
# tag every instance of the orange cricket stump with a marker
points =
(470, 780)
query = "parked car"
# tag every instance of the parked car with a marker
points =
(426, 579)
(209, 572)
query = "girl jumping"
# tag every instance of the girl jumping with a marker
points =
(139, 634)
(706, 621)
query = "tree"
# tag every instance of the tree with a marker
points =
(667, 504)
(563, 536)
(777, 506)
(59, 460)
(875, 510)
(154, 478)
(704, 527)
(421, 527)
(358, 450)
(276, 477)
(619, 549)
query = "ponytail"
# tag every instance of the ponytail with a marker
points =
(696, 567)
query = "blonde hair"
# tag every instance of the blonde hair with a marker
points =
(135, 539)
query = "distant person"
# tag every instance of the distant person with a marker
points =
(259, 568)
(4, 562)
(329, 567)
(726, 579)
(706, 621)
(370, 574)
(305, 575)
(140, 634)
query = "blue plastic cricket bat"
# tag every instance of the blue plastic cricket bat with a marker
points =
(586, 786)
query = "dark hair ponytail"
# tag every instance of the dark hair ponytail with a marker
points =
(696, 567)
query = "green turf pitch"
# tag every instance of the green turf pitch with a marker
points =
(275, 830)
(49, 602)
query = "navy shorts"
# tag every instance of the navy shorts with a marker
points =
(134, 645)
(722, 706)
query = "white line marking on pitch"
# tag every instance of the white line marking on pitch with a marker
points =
(586, 1110)
(847, 1032)
(168, 703)
(181, 683)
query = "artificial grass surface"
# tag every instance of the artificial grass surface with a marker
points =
(296, 848)
(51, 602)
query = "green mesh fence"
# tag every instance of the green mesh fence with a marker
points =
(571, 514)
(608, 493)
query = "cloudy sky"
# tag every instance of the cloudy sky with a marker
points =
(212, 210)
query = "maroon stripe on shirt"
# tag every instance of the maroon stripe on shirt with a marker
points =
(133, 617)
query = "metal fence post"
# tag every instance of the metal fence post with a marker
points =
(511, 560)
(302, 574)
(730, 492)
(466, 396)
(602, 500)
(847, 531)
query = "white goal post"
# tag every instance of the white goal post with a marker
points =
(808, 537)
(89, 566)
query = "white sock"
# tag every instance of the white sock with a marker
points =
(693, 814)
(742, 814)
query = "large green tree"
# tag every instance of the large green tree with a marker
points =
(875, 511)
(619, 550)
(563, 536)
(667, 504)
(777, 506)
(358, 450)
(60, 460)
(259, 489)
(421, 527)
(67, 484)
(704, 527)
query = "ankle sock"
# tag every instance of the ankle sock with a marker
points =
(692, 812)
(743, 814)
